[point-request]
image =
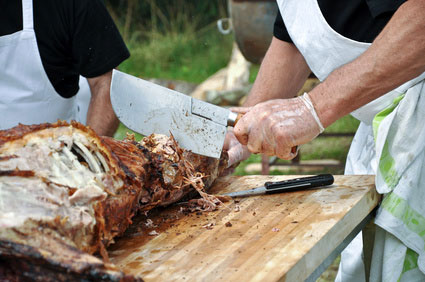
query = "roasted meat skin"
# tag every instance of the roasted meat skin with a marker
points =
(21, 262)
(80, 192)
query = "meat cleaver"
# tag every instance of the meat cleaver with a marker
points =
(149, 108)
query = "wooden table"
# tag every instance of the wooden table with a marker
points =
(292, 236)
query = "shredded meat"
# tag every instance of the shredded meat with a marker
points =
(66, 193)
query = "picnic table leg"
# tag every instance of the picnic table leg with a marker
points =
(368, 234)
(265, 166)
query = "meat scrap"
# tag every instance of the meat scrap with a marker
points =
(153, 233)
(66, 193)
(207, 203)
(149, 223)
(209, 225)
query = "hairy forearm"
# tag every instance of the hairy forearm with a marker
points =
(396, 56)
(100, 116)
(281, 75)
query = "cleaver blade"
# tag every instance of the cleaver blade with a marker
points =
(148, 108)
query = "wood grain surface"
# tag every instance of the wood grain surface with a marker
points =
(263, 238)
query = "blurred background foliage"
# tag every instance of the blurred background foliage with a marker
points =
(164, 14)
(172, 39)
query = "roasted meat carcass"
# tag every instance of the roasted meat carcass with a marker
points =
(66, 193)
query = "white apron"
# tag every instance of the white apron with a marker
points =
(26, 94)
(324, 51)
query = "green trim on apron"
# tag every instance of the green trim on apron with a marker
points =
(392, 203)
(384, 113)
(386, 162)
(400, 209)
(410, 262)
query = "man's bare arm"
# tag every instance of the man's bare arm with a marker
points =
(396, 56)
(100, 116)
(282, 73)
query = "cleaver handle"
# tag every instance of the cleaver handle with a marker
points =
(234, 118)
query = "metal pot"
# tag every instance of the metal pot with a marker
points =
(252, 22)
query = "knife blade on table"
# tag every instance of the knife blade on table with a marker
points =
(149, 108)
(296, 184)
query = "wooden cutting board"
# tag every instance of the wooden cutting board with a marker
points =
(263, 238)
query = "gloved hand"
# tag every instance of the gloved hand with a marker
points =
(275, 126)
(236, 151)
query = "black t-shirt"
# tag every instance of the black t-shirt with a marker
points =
(74, 37)
(360, 20)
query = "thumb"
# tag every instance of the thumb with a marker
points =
(237, 153)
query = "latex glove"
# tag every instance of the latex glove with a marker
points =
(236, 151)
(275, 126)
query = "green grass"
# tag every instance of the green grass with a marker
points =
(331, 147)
(179, 56)
(347, 124)
(177, 42)
(253, 71)
(122, 131)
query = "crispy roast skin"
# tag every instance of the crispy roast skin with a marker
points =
(66, 193)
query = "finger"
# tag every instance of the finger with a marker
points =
(237, 154)
(255, 140)
(240, 110)
(232, 157)
(245, 152)
(268, 149)
(228, 139)
(286, 153)
(284, 148)
(269, 143)
(242, 129)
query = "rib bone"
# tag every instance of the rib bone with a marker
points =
(88, 157)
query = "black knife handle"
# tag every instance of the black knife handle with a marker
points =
(299, 183)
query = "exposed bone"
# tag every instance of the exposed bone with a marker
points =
(102, 160)
(81, 154)
(90, 158)
(72, 157)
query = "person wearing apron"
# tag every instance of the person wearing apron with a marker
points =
(390, 140)
(26, 93)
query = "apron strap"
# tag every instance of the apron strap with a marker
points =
(27, 15)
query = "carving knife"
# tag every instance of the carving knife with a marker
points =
(296, 184)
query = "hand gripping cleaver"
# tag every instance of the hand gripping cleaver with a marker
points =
(148, 108)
